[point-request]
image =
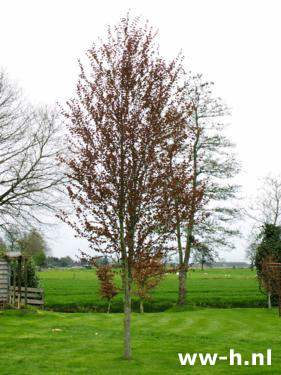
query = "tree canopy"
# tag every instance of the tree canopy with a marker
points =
(130, 104)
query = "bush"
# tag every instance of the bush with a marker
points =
(32, 276)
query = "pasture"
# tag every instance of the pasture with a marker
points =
(74, 290)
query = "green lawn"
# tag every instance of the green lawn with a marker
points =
(42, 342)
(75, 290)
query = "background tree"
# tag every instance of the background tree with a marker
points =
(181, 199)
(269, 248)
(265, 208)
(28, 270)
(269, 201)
(66, 261)
(252, 251)
(3, 247)
(148, 271)
(30, 178)
(33, 246)
(12, 235)
(126, 108)
(103, 261)
(201, 199)
(214, 163)
(60, 262)
(204, 255)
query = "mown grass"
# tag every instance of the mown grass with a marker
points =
(42, 342)
(75, 290)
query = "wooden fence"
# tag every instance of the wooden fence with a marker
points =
(4, 281)
(26, 296)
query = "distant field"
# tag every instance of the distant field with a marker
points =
(75, 290)
(48, 343)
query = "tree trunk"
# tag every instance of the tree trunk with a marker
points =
(188, 240)
(193, 208)
(108, 308)
(127, 313)
(141, 307)
(269, 300)
(182, 287)
(182, 273)
(182, 299)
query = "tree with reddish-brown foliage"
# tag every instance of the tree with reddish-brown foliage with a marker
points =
(129, 103)
(107, 288)
(148, 271)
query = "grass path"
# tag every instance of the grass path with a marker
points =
(40, 342)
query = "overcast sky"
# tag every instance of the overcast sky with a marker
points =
(234, 43)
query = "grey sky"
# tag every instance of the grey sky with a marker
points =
(234, 43)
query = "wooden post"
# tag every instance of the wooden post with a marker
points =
(14, 282)
(25, 281)
(278, 282)
(19, 282)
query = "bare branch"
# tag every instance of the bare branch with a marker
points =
(31, 180)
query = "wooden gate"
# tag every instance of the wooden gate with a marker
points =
(15, 295)
(26, 296)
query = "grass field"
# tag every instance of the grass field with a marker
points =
(42, 342)
(45, 342)
(75, 290)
